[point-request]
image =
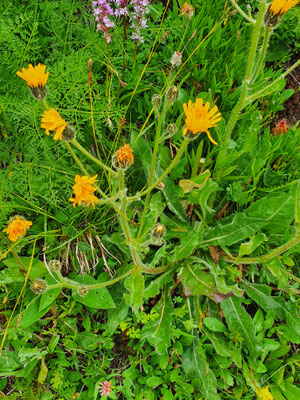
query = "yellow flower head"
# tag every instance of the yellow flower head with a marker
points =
(52, 121)
(279, 7)
(34, 76)
(187, 10)
(200, 119)
(17, 228)
(124, 156)
(264, 394)
(83, 191)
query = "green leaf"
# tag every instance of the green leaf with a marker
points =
(96, 298)
(157, 284)
(172, 196)
(239, 320)
(255, 241)
(214, 324)
(197, 182)
(135, 285)
(32, 313)
(158, 332)
(188, 243)
(201, 197)
(286, 311)
(48, 297)
(195, 281)
(154, 381)
(43, 371)
(196, 369)
(38, 268)
(240, 228)
(115, 316)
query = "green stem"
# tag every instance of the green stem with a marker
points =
(266, 257)
(183, 146)
(135, 54)
(261, 92)
(91, 157)
(185, 32)
(76, 159)
(263, 51)
(45, 104)
(241, 102)
(242, 12)
(14, 254)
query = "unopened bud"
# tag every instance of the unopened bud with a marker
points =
(156, 101)
(158, 231)
(82, 291)
(68, 133)
(172, 94)
(39, 286)
(176, 59)
(55, 265)
(171, 129)
(160, 185)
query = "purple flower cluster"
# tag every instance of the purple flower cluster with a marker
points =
(136, 9)
(102, 10)
(138, 20)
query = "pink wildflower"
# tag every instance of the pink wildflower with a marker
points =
(280, 128)
(105, 388)
(121, 8)
(102, 11)
(138, 19)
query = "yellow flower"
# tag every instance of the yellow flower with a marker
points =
(83, 191)
(124, 156)
(52, 121)
(34, 76)
(199, 118)
(279, 7)
(17, 228)
(264, 394)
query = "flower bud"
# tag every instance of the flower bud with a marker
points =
(176, 59)
(68, 133)
(172, 94)
(280, 128)
(82, 291)
(156, 101)
(55, 265)
(171, 129)
(39, 286)
(160, 185)
(158, 231)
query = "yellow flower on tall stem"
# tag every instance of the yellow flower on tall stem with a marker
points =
(52, 121)
(83, 191)
(36, 79)
(199, 118)
(282, 6)
(17, 228)
(124, 156)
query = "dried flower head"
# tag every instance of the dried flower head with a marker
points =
(82, 291)
(36, 79)
(68, 133)
(171, 129)
(52, 121)
(55, 265)
(187, 10)
(200, 119)
(17, 227)
(156, 101)
(39, 286)
(276, 9)
(176, 59)
(172, 94)
(280, 128)
(83, 191)
(264, 393)
(105, 388)
(124, 156)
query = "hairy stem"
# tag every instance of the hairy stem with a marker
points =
(235, 5)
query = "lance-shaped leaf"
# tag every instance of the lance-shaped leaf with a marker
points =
(286, 311)
(188, 243)
(239, 320)
(196, 281)
(158, 332)
(196, 368)
(135, 285)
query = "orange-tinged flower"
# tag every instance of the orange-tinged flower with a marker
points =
(281, 128)
(52, 121)
(279, 7)
(34, 76)
(83, 191)
(200, 119)
(17, 228)
(187, 10)
(124, 156)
